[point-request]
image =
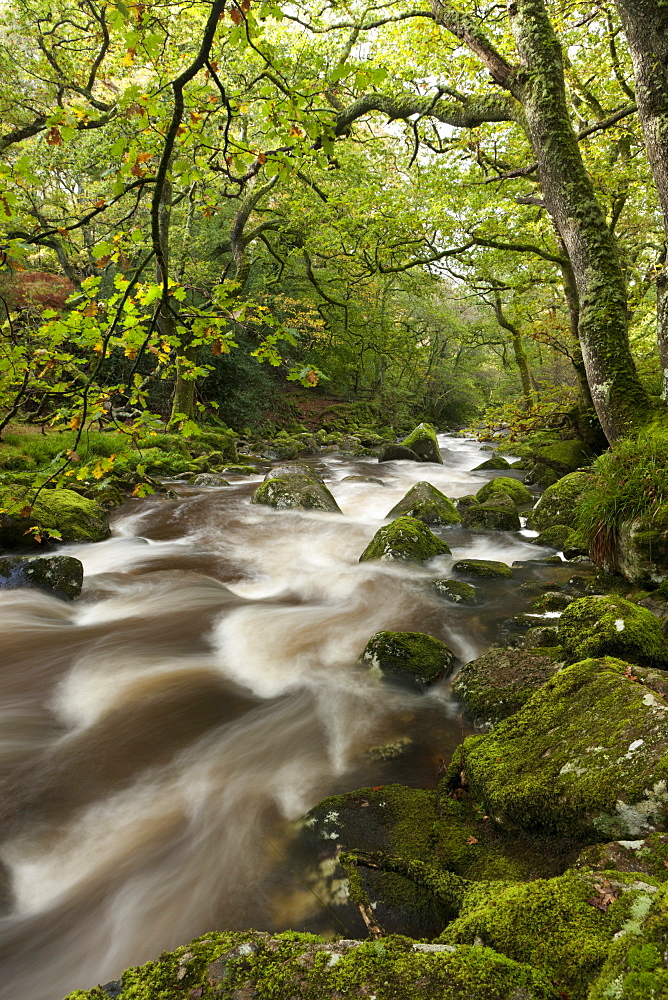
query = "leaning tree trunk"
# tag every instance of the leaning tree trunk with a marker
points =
(618, 395)
(646, 25)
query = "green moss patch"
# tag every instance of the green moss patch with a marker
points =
(517, 491)
(612, 626)
(558, 503)
(497, 684)
(554, 537)
(424, 443)
(427, 504)
(489, 568)
(407, 539)
(456, 591)
(412, 657)
(496, 462)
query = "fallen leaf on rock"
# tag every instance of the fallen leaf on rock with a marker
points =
(471, 839)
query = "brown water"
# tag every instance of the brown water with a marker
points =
(158, 735)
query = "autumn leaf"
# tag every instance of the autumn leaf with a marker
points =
(144, 157)
(471, 840)
(236, 16)
(91, 309)
(25, 511)
(53, 137)
(606, 895)
(75, 423)
(312, 377)
(261, 158)
(245, 6)
(100, 203)
(294, 131)
(217, 347)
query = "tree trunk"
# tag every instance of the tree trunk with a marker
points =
(183, 401)
(518, 350)
(645, 23)
(617, 393)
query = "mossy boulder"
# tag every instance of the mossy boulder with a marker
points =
(75, 517)
(58, 575)
(467, 501)
(397, 453)
(456, 591)
(411, 657)
(491, 569)
(586, 756)
(648, 856)
(496, 462)
(251, 965)
(427, 504)
(636, 967)
(553, 600)
(423, 441)
(239, 470)
(498, 683)
(554, 537)
(541, 475)
(559, 501)
(498, 514)
(294, 487)
(208, 479)
(564, 456)
(406, 539)
(562, 926)
(612, 626)
(642, 547)
(504, 485)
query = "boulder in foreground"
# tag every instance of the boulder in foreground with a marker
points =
(58, 575)
(294, 487)
(427, 504)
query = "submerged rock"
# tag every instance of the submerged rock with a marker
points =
(397, 453)
(586, 756)
(611, 626)
(414, 657)
(363, 479)
(517, 491)
(490, 568)
(427, 504)
(407, 539)
(294, 487)
(497, 684)
(456, 591)
(423, 441)
(58, 575)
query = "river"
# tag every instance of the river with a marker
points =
(158, 735)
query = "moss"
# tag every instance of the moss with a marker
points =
(648, 856)
(558, 502)
(77, 518)
(552, 600)
(612, 626)
(59, 575)
(541, 475)
(636, 967)
(413, 656)
(517, 491)
(295, 492)
(496, 462)
(265, 967)
(563, 926)
(208, 479)
(156, 461)
(406, 539)
(427, 504)
(456, 591)
(239, 470)
(483, 568)
(565, 456)
(172, 443)
(423, 441)
(554, 537)
(498, 683)
(586, 756)
(492, 516)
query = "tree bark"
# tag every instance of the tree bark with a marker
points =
(518, 350)
(645, 23)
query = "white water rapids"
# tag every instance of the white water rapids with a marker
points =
(157, 734)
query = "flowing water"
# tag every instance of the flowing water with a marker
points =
(158, 734)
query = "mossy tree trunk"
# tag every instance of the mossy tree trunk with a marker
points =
(518, 350)
(645, 23)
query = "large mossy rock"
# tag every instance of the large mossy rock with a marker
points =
(495, 462)
(58, 575)
(612, 626)
(252, 965)
(636, 967)
(76, 518)
(456, 591)
(642, 547)
(411, 657)
(564, 456)
(427, 504)
(490, 569)
(423, 441)
(294, 487)
(554, 537)
(406, 539)
(512, 488)
(397, 453)
(562, 926)
(586, 756)
(498, 514)
(558, 502)
(501, 681)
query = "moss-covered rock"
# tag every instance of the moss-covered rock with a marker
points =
(564, 456)
(423, 441)
(239, 470)
(294, 487)
(517, 491)
(489, 568)
(648, 856)
(554, 537)
(541, 475)
(586, 756)
(58, 575)
(427, 504)
(496, 462)
(76, 518)
(636, 967)
(467, 501)
(641, 550)
(498, 683)
(251, 965)
(612, 626)
(411, 657)
(558, 502)
(553, 600)
(397, 453)
(208, 479)
(406, 539)
(363, 479)
(456, 591)
(563, 926)
(498, 514)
